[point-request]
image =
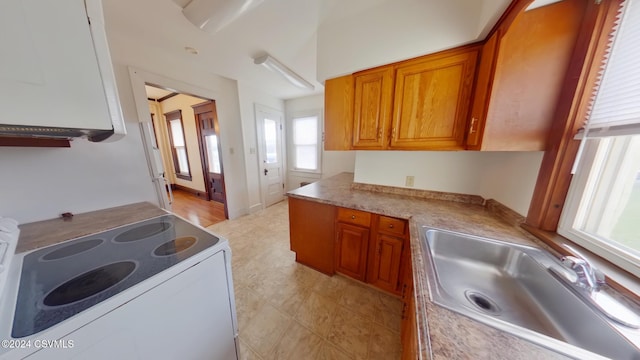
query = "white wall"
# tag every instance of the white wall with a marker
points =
(508, 177)
(184, 103)
(360, 34)
(248, 97)
(174, 68)
(42, 183)
(333, 162)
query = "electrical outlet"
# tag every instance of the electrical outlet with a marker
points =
(409, 181)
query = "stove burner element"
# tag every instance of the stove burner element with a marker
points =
(72, 249)
(89, 283)
(175, 246)
(142, 232)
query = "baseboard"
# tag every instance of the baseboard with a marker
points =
(197, 193)
(255, 208)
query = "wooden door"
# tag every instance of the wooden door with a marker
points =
(431, 101)
(385, 264)
(372, 108)
(211, 151)
(351, 250)
(270, 154)
(312, 233)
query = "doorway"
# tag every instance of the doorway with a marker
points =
(270, 154)
(188, 137)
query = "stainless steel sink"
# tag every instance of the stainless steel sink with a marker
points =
(520, 290)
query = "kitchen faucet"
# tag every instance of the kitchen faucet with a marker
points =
(589, 277)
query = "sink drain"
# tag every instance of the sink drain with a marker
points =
(482, 302)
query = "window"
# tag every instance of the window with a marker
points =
(214, 154)
(602, 210)
(306, 141)
(178, 144)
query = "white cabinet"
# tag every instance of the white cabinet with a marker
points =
(56, 69)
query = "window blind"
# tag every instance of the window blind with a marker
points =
(615, 107)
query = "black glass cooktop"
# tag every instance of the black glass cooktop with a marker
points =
(60, 281)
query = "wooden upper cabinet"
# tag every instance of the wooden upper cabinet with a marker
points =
(338, 113)
(520, 75)
(431, 100)
(372, 108)
(518, 72)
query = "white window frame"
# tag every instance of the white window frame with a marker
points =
(572, 215)
(319, 145)
(606, 160)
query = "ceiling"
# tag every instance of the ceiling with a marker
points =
(156, 93)
(289, 30)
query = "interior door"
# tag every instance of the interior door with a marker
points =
(270, 154)
(156, 167)
(210, 150)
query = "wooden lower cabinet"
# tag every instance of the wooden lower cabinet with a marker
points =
(367, 247)
(408, 335)
(352, 245)
(409, 327)
(385, 265)
(312, 233)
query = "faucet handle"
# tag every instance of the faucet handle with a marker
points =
(600, 277)
(571, 262)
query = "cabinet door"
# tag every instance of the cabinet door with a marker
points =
(408, 330)
(49, 60)
(385, 265)
(431, 101)
(520, 77)
(311, 227)
(338, 113)
(352, 244)
(372, 108)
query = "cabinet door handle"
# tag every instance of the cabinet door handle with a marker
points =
(473, 122)
(379, 133)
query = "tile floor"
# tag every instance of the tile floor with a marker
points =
(288, 311)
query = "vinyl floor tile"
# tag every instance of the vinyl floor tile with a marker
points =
(286, 310)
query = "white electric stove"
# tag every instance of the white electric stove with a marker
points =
(160, 288)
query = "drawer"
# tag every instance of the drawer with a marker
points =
(391, 225)
(355, 217)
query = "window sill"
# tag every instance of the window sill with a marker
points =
(184, 177)
(617, 278)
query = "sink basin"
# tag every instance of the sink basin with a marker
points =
(518, 289)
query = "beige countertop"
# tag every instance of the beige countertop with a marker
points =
(43, 233)
(442, 334)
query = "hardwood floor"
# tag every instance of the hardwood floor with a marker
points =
(198, 211)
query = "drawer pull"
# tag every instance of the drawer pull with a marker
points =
(353, 216)
(390, 226)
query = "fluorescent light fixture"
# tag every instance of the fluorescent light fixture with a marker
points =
(213, 15)
(278, 67)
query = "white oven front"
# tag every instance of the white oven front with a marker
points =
(186, 311)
